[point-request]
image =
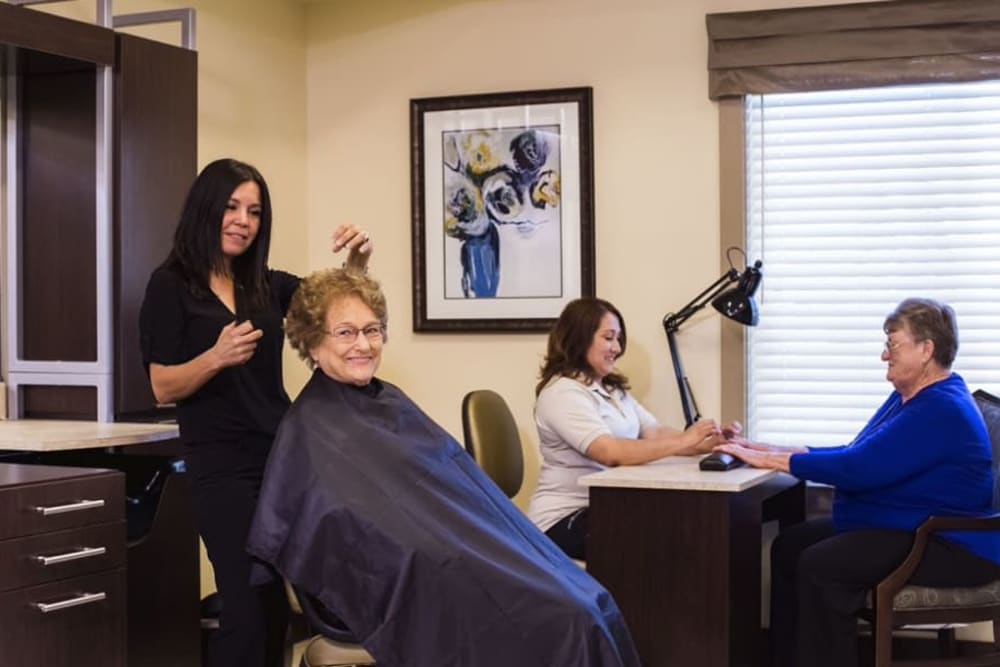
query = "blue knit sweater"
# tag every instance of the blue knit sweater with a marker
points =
(929, 456)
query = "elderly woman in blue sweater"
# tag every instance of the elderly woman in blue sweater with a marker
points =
(925, 451)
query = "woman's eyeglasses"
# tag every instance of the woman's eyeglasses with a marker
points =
(891, 347)
(345, 335)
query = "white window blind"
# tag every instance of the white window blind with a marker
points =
(856, 200)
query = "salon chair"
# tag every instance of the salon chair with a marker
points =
(332, 644)
(492, 440)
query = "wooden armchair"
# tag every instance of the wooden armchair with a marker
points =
(895, 604)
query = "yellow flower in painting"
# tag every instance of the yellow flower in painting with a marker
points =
(546, 190)
(480, 157)
(463, 211)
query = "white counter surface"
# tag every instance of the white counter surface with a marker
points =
(46, 435)
(679, 473)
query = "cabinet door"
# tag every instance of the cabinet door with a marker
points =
(56, 185)
(57, 175)
(156, 115)
(78, 622)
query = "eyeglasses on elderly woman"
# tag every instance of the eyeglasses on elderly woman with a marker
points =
(891, 346)
(346, 335)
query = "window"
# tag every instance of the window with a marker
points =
(856, 199)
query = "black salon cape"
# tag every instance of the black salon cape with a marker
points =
(373, 509)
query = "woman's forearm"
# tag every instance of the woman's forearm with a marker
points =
(655, 443)
(174, 383)
(780, 461)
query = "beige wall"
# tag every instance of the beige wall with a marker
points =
(316, 94)
(656, 171)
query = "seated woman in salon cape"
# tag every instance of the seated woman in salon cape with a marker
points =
(374, 512)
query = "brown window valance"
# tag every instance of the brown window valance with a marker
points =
(852, 46)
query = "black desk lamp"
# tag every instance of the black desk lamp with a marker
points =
(737, 304)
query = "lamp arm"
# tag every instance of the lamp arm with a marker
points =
(691, 414)
(673, 321)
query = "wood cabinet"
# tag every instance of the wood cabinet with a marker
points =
(161, 540)
(155, 145)
(161, 553)
(62, 566)
(101, 139)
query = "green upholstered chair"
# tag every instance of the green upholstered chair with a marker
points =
(492, 439)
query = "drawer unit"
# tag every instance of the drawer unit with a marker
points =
(41, 499)
(62, 566)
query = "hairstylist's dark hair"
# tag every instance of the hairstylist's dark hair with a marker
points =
(570, 339)
(197, 250)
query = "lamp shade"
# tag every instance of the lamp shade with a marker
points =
(737, 303)
(737, 306)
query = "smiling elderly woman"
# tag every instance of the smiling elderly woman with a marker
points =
(337, 322)
(378, 515)
(926, 451)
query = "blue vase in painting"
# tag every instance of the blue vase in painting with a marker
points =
(481, 264)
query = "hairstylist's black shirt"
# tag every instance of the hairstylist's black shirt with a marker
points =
(175, 326)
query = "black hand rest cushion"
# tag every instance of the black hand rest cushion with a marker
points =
(718, 461)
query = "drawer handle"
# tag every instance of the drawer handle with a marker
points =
(85, 552)
(82, 598)
(71, 507)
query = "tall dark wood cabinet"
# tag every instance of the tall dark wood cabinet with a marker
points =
(52, 65)
(100, 146)
(156, 112)
(69, 361)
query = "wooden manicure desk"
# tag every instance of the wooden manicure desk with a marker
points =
(680, 551)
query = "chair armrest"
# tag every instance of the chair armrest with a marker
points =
(293, 598)
(898, 578)
(937, 524)
(322, 620)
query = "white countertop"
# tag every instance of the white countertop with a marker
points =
(49, 435)
(678, 473)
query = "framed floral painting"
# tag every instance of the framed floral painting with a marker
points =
(503, 208)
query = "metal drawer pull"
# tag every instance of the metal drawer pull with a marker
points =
(71, 507)
(85, 552)
(82, 598)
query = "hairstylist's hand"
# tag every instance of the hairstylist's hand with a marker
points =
(236, 343)
(358, 243)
